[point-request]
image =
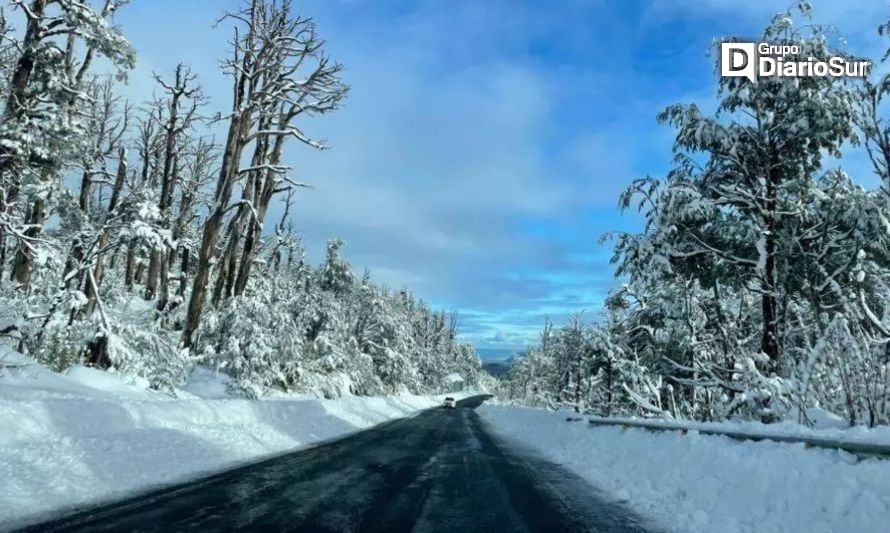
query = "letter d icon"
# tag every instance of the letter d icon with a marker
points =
(737, 60)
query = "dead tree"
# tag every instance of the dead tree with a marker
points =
(197, 174)
(250, 58)
(282, 231)
(107, 122)
(317, 93)
(271, 46)
(180, 108)
(148, 146)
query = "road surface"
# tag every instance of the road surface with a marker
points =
(442, 470)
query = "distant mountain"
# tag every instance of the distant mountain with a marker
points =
(498, 369)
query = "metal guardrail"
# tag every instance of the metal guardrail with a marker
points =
(861, 450)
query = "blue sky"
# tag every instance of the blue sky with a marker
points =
(479, 157)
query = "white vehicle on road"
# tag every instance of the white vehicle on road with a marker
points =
(450, 403)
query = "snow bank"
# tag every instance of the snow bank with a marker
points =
(705, 483)
(88, 436)
(826, 426)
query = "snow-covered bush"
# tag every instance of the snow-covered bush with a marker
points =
(325, 333)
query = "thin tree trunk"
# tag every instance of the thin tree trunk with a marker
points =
(769, 342)
(130, 265)
(184, 268)
(140, 271)
(24, 261)
(151, 281)
(99, 269)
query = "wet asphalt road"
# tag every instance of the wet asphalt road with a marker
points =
(442, 470)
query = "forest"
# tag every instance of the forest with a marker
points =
(758, 287)
(134, 239)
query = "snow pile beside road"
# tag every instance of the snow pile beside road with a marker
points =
(707, 483)
(87, 435)
(827, 426)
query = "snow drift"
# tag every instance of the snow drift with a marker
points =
(706, 483)
(86, 435)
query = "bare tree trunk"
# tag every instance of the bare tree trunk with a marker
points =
(247, 256)
(75, 257)
(85, 191)
(227, 261)
(151, 281)
(97, 352)
(769, 343)
(130, 265)
(16, 102)
(140, 270)
(24, 260)
(228, 174)
(279, 230)
(2, 249)
(99, 269)
(184, 268)
(264, 190)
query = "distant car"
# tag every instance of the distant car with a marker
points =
(450, 403)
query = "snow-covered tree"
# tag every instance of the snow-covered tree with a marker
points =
(757, 288)
(141, 229)
(41, 128)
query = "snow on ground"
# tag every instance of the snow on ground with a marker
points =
(88, 436)
(826, 425)
(706, 483)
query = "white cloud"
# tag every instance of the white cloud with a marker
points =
(431, 163)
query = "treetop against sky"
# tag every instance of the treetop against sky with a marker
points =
(483, 146)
